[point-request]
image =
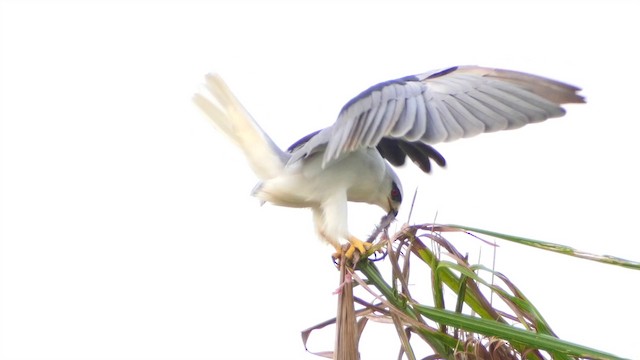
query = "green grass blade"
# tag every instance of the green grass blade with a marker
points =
(449, 278)
(562, 249)
(440, 342)
(491, 328)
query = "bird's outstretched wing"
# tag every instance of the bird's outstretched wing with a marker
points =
(442, 105)
(394, 150)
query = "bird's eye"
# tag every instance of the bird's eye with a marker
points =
(396, 195)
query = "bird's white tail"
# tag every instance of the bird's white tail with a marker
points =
(228, 115)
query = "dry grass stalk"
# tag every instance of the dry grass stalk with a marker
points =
(346, 345)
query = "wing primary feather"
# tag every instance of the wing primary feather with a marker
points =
(338, 141)
(375, 129)
(431, 153)
(396, 151)
(514, 118)
(390, 150)
(492, 120)
(377, 104)
(419, 120)
(406, 118)
(383, 126)
(355, 137)
(398, 106)
(370, 125)
(524, 107)
(529, 101)
(469, 124)
(549, 89)
(422, 155)
(416, 156)
(453, 128)
(436, 130)
(393, 129)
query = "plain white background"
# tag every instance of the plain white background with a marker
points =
(128, 231)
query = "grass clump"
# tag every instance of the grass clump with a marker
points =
(474, 311)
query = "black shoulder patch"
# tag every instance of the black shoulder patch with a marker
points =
(378, 87)
(443, 72)
(302, 141)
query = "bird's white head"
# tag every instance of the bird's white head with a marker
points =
(394, 194)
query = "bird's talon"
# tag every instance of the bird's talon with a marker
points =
(356, 244)
(350, 249)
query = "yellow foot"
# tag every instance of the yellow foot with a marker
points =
(354, 244)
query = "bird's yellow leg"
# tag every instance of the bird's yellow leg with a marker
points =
(338, 253)
(358, 244)
(354, 244)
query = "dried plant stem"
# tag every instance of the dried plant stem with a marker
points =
(346, 346)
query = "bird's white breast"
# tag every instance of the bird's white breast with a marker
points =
(362, 174)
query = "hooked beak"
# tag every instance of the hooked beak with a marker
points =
(393, 211)
(385, 222)
(389, 218)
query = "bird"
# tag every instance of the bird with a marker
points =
(352, 160)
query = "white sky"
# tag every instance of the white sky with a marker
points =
(128, 231)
